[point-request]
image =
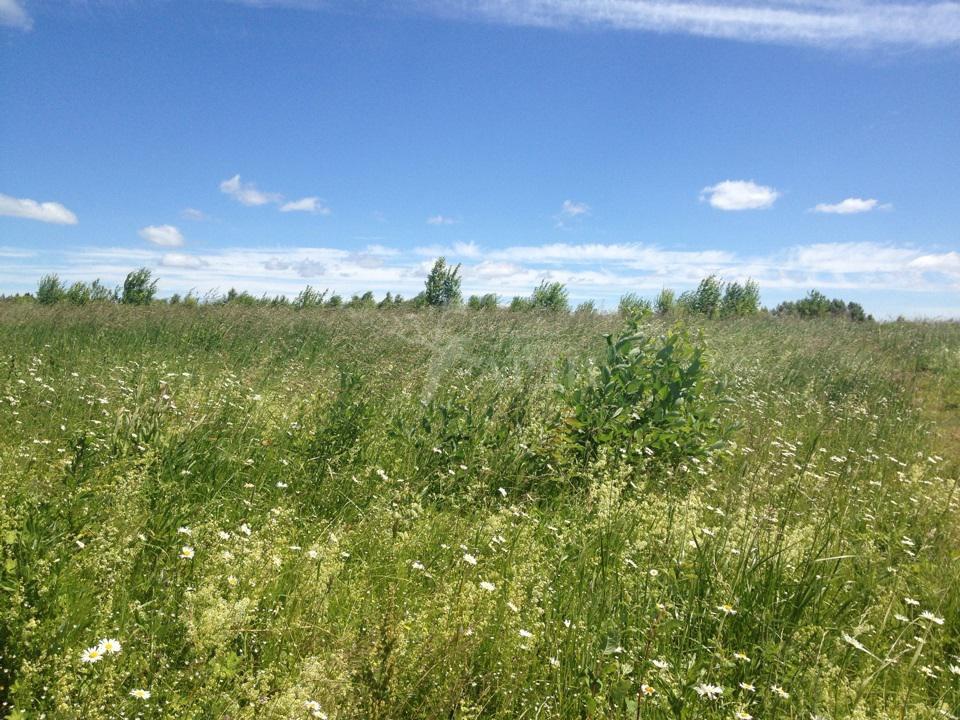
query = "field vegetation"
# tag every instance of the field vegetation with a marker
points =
(312, 511)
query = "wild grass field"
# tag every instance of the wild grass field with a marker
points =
(216, 512)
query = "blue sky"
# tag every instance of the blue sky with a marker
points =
(614, 145)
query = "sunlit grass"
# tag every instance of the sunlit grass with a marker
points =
(282, 514)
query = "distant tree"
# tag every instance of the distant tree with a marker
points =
(665, 302)
(139, 288)
(482, 302)
(50, 290)
(817, 305)
(552, 297)
(78, 293)
(739, 300)
(174, 299)
(520, 304)
(335, 301)
(632, 304)
(587, 307)
(101, 293)
(705, 300)
(443, 285)
(364, 301)
(308, 297)
(386, 302)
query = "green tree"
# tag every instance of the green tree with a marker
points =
(139, 288)
(50, 290)
(666, 301)
(443, 285)
(552, 297)
(482, 302)
(739, 300)
(705, 300)
(632, 304)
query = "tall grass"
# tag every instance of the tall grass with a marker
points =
(350, 514)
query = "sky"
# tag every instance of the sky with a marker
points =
(613, 145)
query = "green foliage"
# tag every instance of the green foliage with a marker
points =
(243, 299)
(442, 285)
(705, 300)
(50, 290)
(362, 302)
(483, 302)
(520, 304)
(632, 305)
(308, 298)
(139, 288)
(650, 394)
(385, 518)
(78, 293)
(665, 302)
(550, 297)
(817, 305)
(740, 300)
(587, 307)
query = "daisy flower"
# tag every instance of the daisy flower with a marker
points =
(140, 694)
(91, 655)
(927, 615)
(710, 692)
(187, 553)
(109, 646)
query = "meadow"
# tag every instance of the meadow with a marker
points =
(272, 513)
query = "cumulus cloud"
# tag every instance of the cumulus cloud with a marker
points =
(49, 212)
(247, 193)
(12, 14)
(739, 195)
(441, 220)
(850, 206)
(165, 235)
(307, 204)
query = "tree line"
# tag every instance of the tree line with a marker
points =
(712, 298)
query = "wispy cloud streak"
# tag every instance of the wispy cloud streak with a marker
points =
(927, 23)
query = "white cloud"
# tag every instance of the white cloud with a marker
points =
(165, 235)
(12, 14)
(458, 249)
(739, 195)
(49, 212)
(247, 193)
(193, 214)
(441, 220)
(948, 263)
(307, 204)
(836, 23)
(570, 213)
(850, 206)
(591, 270)
(573, 209)
(181, 260)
